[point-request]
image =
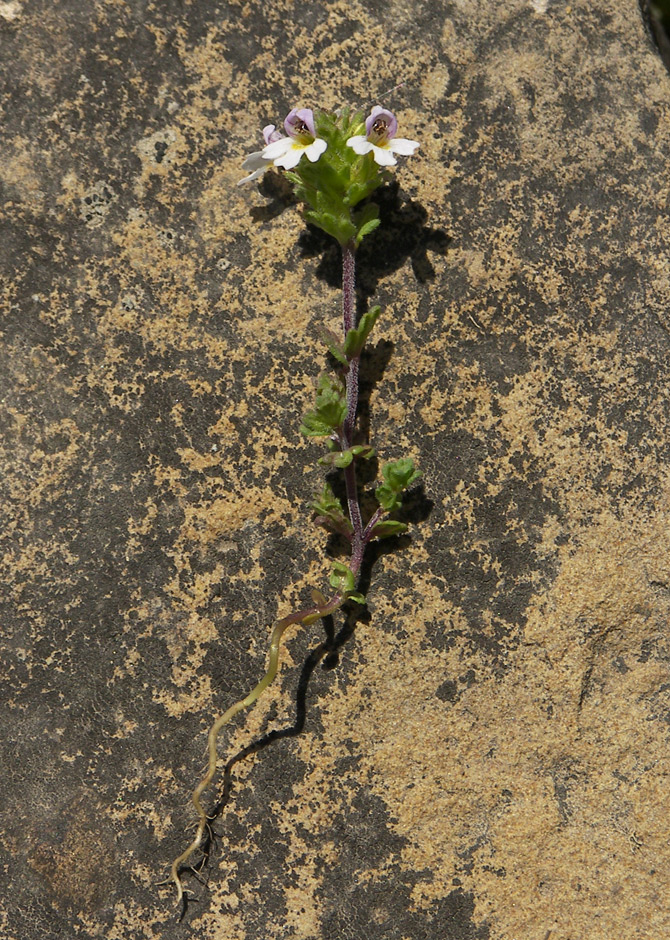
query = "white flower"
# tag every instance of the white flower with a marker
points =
(287, 151)
(380, 140)
(255, 161)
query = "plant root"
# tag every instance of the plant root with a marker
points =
(306, 617)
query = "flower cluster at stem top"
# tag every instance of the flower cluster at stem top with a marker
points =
(347, 159)
(285, 152)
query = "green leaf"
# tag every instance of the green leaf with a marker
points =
(334, 345)
(367, 220)
(342, 578)
(330, 411)
(327, 502)
(356, 338)
(398, 475)
(339, 459)
(367, 178)
(387, 499)
(366, 229)
(313, 426)
(329, 510)
(339, 226)
(342, 458)
(367, 214)
(363, 450)
(387, 528)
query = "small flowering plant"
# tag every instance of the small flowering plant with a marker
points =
(335, 161)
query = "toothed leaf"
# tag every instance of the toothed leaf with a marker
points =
(356, 337)
(398, 475)
(367, 220)
(330, 411)
(334, 345)
(330, 513)
(387, 528)
(342, 459)
(342, 579)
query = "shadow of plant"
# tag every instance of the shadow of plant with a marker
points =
(402, 234)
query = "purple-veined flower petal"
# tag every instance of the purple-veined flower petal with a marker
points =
(286, 152)
(380, 125)
(254, 161)
(291, 158)
(257, 161)
(299, 123)
(270, 134)
(256, 164)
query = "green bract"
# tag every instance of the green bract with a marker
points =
(335, 347)
(340, 180)
(383, 530)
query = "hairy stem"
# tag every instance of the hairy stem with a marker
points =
(374, 519)
(348, 323)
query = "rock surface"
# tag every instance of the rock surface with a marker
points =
(488, 757)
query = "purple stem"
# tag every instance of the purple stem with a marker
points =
(358, 541)
(379, 513)
(349, 322)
